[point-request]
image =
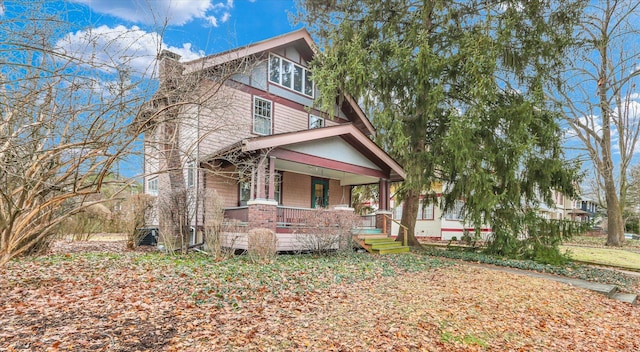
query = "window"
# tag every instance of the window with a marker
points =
(397, 212)
(277, 191)
(191, 174)
(152, 186)
(425, 211)
(261, 116)
(290, 75)
(457, 213)
(245, 192)
(315, 121)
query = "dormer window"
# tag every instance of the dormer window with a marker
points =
(290, 75)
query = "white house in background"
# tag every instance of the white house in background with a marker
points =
(433, 224)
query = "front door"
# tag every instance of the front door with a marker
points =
(319, 193)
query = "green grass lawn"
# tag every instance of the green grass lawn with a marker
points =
(605, 256)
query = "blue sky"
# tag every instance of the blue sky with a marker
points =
(194, 28)
(119, 33)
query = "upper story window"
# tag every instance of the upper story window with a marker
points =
(315, 121)
(261, 116)
(152, 186)
(290, 75)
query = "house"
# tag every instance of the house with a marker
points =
(582, 210)
(433, 223)
(239, 131)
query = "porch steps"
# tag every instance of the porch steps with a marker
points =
(380, 243)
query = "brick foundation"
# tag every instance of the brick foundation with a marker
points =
(262, 214)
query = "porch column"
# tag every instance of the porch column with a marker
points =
(260, 187)
(384, 194)
(383, 215)
(272, 177)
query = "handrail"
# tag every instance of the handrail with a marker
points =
(404, 228)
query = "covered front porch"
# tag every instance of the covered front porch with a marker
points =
(295, 174)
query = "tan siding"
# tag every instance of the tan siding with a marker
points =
(338, 195)
(226, 188)
(287, 119)
(328, 123)
(225, 119)
(296, 190)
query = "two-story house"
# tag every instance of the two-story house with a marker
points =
(241, 126)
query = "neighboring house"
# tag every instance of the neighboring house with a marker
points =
(432, 223)
(582, 210)
(259, 142)
(558, 209)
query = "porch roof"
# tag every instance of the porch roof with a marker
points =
(388, 168)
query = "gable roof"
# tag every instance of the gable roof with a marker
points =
(348, 132)
(299, 39)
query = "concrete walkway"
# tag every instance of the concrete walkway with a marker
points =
(607, 290)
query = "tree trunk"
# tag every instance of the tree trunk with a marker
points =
(615, 225)
(179, 220)
(409, 216)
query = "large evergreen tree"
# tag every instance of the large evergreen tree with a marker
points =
(457, 90)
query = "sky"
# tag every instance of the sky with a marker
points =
(118, 33)
(194, 28)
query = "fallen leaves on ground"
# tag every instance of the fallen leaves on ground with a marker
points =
(131, 301)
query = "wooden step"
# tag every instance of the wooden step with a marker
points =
(385, 245)
(367, 231)
(364, 237)
(398, 249)
(378, 240)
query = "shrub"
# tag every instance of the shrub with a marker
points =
(213, 223)
(134, 211)
(262, 245)
(324, 231)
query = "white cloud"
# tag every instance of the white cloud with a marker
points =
(108, 49)
(176, 12)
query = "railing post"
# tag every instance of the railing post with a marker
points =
(404, 238)
(384, 223)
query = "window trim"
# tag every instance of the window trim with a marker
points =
(253, 114)
(305, 73)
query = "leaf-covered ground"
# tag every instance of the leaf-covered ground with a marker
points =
(132, 301)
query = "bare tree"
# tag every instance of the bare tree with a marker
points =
(601, 101)
(66, 120)
(189, 120)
